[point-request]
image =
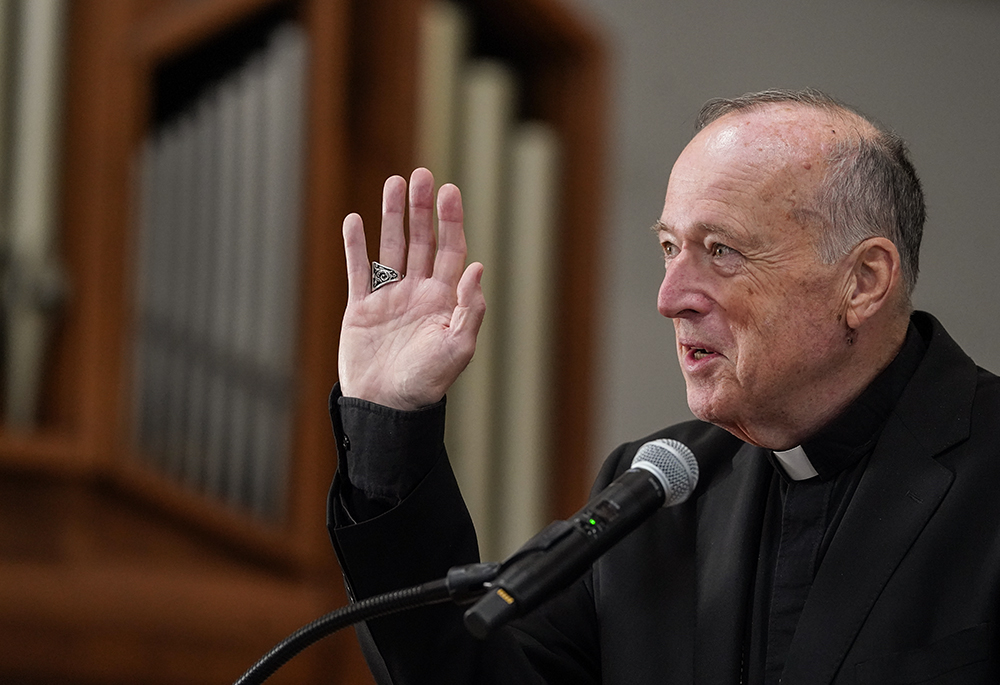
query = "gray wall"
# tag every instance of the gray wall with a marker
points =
(930, 69)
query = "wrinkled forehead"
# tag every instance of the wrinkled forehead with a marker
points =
(771, 158)
(756, 168)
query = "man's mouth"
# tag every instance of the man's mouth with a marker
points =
(696, 353)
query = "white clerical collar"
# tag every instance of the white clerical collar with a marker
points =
(796, 463)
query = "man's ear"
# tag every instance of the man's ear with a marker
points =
(875, 278)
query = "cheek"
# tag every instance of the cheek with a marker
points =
(803, 300)
(756, 293)
(756, 312)
(780, 328)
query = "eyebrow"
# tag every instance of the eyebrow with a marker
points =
(712, 229)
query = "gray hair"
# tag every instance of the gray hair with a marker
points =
(870, 189)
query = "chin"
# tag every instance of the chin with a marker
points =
(713, 409)
(706, 408)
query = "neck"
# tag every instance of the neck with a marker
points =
(873, 348)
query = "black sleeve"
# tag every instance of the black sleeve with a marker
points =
(405, 533)
(383, 453)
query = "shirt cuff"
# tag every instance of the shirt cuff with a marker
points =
(384, 452)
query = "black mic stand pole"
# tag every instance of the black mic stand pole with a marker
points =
(462, 585)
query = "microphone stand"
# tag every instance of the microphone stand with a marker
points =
(462, 585)
(521, 584)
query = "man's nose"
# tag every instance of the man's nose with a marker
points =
(683, 290)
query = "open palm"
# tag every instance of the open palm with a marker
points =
(405, 344)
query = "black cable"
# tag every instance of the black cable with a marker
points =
(461, 584)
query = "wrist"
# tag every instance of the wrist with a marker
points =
(377, 395)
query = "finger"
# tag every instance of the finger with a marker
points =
(450, 260)
(392, 243)
(468, 315)
(420, 259)
(358, 270)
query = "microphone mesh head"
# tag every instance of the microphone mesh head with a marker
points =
(673, 463)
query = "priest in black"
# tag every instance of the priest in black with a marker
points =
(846, 525)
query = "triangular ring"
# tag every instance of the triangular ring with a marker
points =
(383, 275)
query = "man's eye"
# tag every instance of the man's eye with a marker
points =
(720, 250)
(669, 249)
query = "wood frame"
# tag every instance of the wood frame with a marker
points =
(109, 573)
(97, 551)
(563, 64)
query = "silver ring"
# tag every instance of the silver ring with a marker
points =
(383, 275)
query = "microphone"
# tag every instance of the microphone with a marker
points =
(664, 473)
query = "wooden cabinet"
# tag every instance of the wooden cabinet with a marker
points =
(112, 573)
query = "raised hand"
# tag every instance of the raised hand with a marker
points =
(406, 343)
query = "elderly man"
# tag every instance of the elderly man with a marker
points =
(845, 527)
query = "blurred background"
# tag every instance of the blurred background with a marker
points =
(172, 179)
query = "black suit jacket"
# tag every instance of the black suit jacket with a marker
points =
(908, 592)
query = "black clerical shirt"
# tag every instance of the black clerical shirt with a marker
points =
(801, 517)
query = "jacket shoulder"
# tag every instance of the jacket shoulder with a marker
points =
(713, 447)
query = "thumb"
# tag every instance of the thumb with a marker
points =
(468, 315)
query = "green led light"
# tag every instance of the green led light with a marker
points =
(593, 522)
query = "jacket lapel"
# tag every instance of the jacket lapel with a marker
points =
(894, 501)
(724, 552)
(899, 492)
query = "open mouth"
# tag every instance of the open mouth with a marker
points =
(699, 353)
